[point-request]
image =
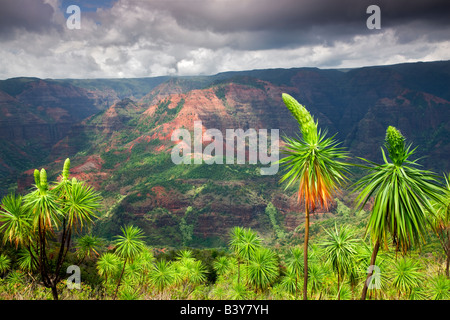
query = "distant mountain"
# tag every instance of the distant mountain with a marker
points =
(36, 113)
(117, 133)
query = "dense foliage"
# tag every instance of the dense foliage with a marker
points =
(250, 267)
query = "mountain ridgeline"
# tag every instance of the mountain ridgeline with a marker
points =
(117, 133)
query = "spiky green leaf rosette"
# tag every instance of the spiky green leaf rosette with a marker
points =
(306, 122)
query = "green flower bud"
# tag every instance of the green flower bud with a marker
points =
(37, 180)
(43, 179)
(66, 169)
(293, 106)
(395, 143)
(303, 117)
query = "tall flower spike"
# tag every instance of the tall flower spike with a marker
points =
(301, 114)
(37, 179)
(43, 179)
(66, 169)
(395, 144)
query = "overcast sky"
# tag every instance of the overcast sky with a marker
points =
(137, 38)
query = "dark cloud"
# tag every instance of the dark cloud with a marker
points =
(25, 15)
(254, 15)
(158, 37)
(282, 23)
(225, 16)
(434, 12)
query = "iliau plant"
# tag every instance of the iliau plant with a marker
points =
(402, 194)
(48, 214)
(440, 222)
(439, 288)
(129, 246)
(406, 275)
(5, 263)
(244, 242)
(87, 246)
(222, 265)
(295, 264)
(262, 269)
(316, 163)
(108, 265)
(162, 275)
(341, 251)
(190, 272)
(235, 245)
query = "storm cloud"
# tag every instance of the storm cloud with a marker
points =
(132, 38)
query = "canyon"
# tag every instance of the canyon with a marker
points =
(117, 133)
